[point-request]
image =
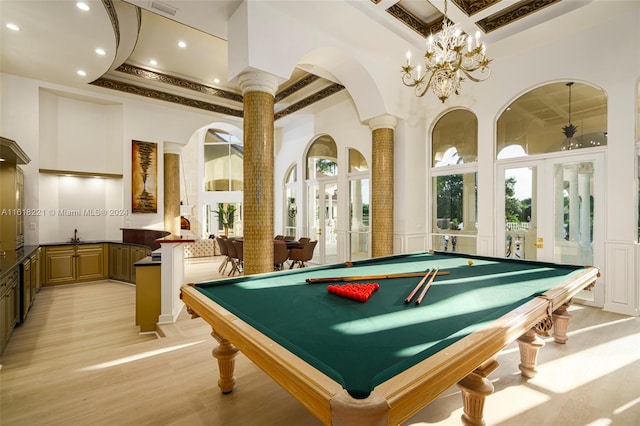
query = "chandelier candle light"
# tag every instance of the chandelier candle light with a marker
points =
(451, 55)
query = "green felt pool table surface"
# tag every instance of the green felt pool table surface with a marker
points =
(360, 345)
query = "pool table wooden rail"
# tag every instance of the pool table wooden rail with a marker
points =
(467, 362)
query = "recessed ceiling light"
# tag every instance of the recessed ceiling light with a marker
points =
(13, 27)
(100, 52)
(81, 73)
(153, 62)
(182, 44)
(82, 6)
(216, 80)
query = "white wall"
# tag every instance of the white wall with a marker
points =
(68, 129)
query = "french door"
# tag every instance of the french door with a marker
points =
(551, 210)
(322, 216)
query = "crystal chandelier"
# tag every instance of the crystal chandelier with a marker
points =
(450, 56)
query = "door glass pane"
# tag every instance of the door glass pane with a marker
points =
(520, 213)
(291, 212)
(330, 223)
(455, 213)
(574, 183)
(313, 218)
(359, 219)
(223, 219)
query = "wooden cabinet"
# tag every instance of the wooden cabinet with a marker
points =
(12, 195)
(29, 283)
(148, 295)
(137, 253)
(121, 260)
(92, 262)
(11, 219)
(60, 265)
(9, 309)
(75, 263)
(25, 288)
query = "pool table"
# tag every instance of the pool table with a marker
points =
(380, 361)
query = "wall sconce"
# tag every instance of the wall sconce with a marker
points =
(293, 210)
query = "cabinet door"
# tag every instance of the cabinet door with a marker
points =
(60, 265)
(12, 306)
(25, 293)
(20, 207)
(137, 253)
(4, 314)
(92, 262)
(35, 274)
(119, 260)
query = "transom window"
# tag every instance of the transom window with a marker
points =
(322, 158)
(223, 161)
(555, 117)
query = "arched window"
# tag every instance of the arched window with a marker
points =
(223, 159)
(322, 158)
(455, 139)
(555, 117)
(454, 182)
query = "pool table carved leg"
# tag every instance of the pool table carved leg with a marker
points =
(475, 388)
(226, 354)
(561, 324)
(529, 344)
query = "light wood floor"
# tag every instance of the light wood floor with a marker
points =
(79, 360)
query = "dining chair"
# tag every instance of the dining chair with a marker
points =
(222, 244)
(303, 241)
(280, 255)
(299, 256)
(239, 247)
(233, 256)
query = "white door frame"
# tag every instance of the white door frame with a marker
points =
(320, 254)
(545, 205)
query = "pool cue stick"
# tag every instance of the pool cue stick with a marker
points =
(415, 290)
(424, 290)
(369, 277)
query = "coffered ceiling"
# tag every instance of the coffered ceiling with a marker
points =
(56, 39)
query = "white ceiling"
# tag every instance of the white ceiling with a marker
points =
(57, 39)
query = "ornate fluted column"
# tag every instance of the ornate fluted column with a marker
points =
(258, 89)
(172, 153)
(382, 130)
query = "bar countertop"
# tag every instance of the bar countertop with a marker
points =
(14, 258)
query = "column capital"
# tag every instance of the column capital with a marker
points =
(385, 121)
(172, 148)
(258, 81)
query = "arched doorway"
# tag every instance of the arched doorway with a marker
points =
(322, 197)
